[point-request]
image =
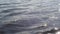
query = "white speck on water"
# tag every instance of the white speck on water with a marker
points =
(45, 24)
(38, 25)
(56, 28)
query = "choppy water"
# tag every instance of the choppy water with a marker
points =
(27, 16)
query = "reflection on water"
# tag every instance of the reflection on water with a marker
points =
(28, 16)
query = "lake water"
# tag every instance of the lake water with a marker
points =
(27, 16)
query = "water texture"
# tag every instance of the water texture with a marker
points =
(28, 16)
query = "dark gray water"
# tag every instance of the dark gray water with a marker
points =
(27, 16)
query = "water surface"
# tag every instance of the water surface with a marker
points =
(27, 16)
